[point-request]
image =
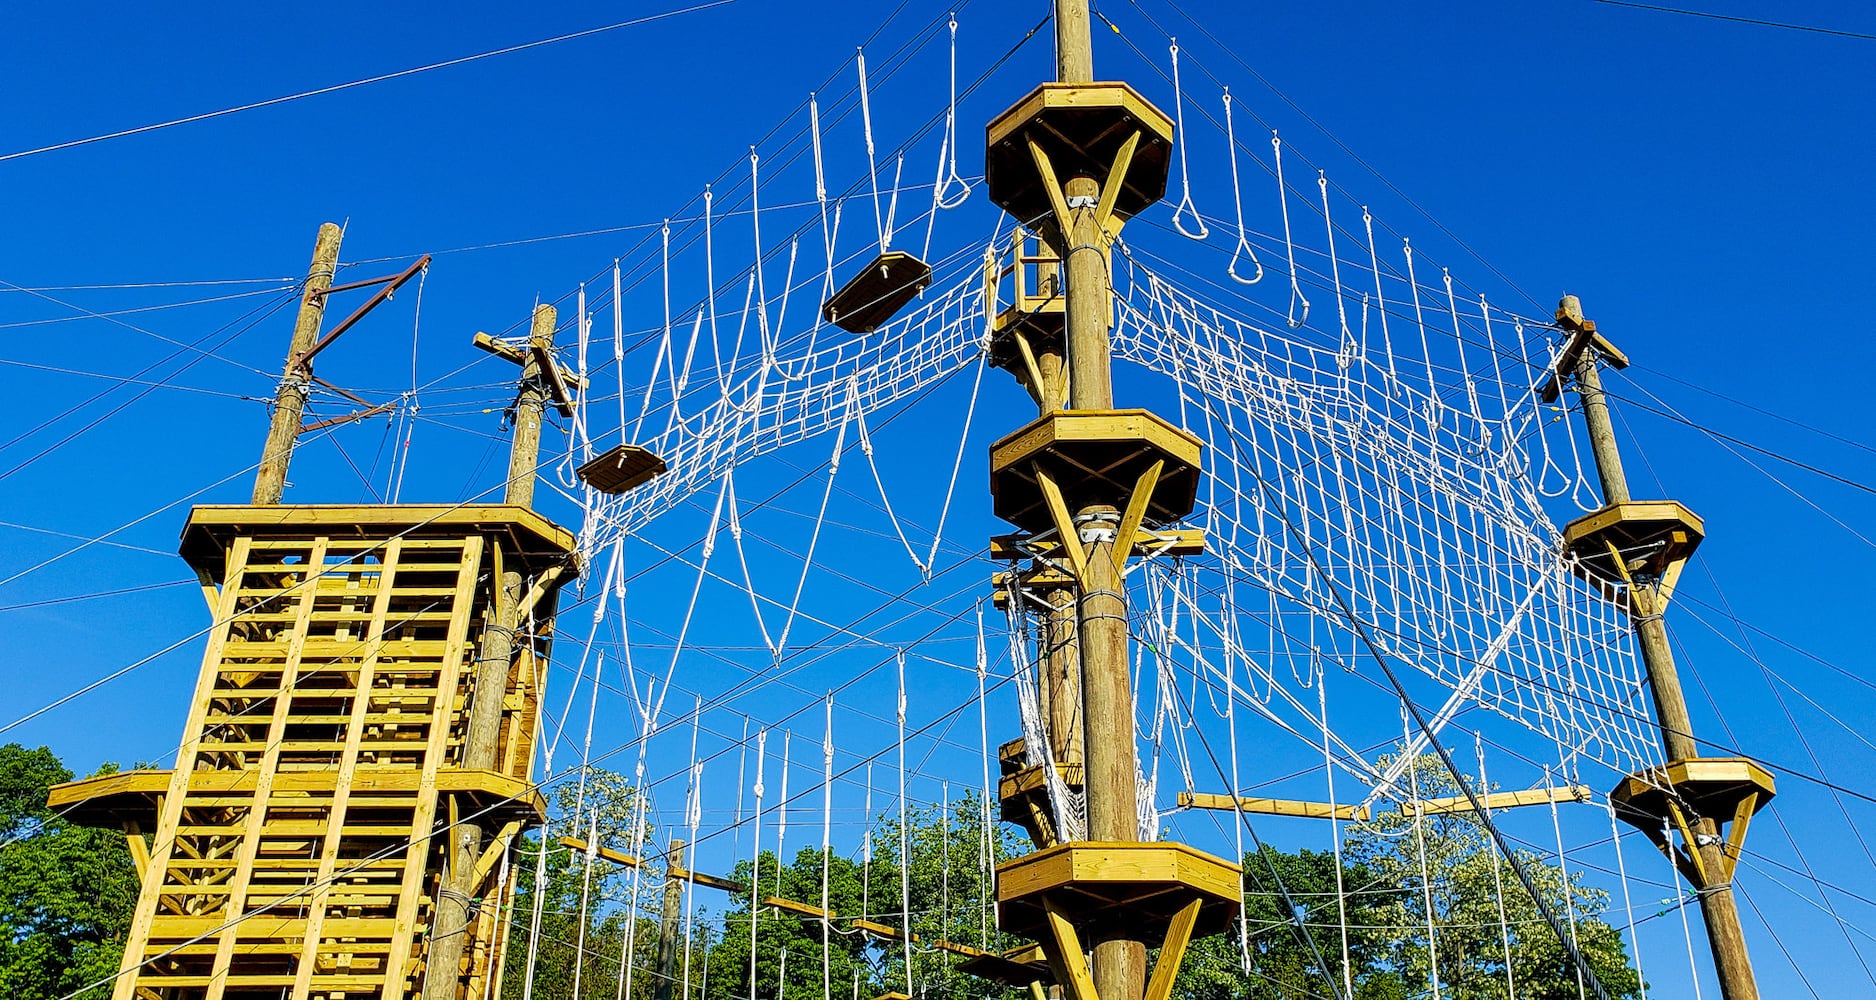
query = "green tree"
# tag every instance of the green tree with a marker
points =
(67, 892)
(1486, 929)
(576, 896)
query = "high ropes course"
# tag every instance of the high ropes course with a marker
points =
(786, 710)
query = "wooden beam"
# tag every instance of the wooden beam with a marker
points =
(710, 881)
(1136, 510)
(1116, 179)
(1064, 524)
(602, 851)
(802, 908)
(1173, 952)
(1066, 957)
(1497, 800)
(1274, 807)
(1057, 200)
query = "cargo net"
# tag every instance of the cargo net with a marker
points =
(1389, 482)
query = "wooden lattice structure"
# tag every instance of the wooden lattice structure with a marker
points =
(297, 848)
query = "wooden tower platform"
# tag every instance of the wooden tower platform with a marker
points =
(297, 848)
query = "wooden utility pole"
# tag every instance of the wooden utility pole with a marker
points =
(494, 660)
(1691, 803)
(290, 399)
(1072, 161)
(1108, 750)
(668, 916)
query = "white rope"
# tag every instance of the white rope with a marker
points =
(872, 165)
(986, 855)
(866, 448)
(820, 519)
(1289, 245)
(1243, 248)
(693, 815)
(781, 812)
(827, 820)
(618, 344)
(948, 151)
(586, 890)
(1335, 838)
(1628, 903)
(1185, 206)
(1498, 882)
(1563, 873)
(755, 858)
(957, 467)
(1415, 794)
(905, 853)
(1680, 903)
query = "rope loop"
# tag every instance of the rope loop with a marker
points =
(1243, 249)
(1185, 207)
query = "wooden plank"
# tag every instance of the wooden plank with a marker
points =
(1274, 807)
(1498, 800)
(711, 881)
(1064, 524)
(1066, 957)
(255, 820)
(802, 908)
(579, 845)
(348, 769)
(1172, 952)
(403, 939)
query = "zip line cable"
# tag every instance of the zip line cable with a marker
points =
(272, 101)
(1755, 21)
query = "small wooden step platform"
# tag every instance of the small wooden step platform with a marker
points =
(877, 292)
(621, 469)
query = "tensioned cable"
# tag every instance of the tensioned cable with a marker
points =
(270, 102)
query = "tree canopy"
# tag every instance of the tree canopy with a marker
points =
(66, 892)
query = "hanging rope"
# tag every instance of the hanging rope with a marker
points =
(1185, 206)
(1243, 248)
(905, 851)
(1289, 245)
(755, 858)
(949, 150)
(880, 218)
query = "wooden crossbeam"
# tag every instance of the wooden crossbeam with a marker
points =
(1274, 807)
(602, 851)
(712, 881)
(1498, 800)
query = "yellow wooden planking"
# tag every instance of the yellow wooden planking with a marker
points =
(1498, 800)
(579, 845)
(1273, 807)
(1172, 953)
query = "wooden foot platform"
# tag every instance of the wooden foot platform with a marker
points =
(1726, 790)
(1088, 457)
(621, 469)
(877, 292)
(1079, 129)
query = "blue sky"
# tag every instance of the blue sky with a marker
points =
(1703, 185)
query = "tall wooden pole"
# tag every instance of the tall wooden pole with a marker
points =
(668, 916)
(1718, 906)
(494, 660)
(290, 399)
(1109, 751)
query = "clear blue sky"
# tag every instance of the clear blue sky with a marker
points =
(1703, 185)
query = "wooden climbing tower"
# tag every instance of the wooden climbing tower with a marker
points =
(293, 850)
(1089, 488)
(1695, 809)
(357, 759)
(296, 849)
